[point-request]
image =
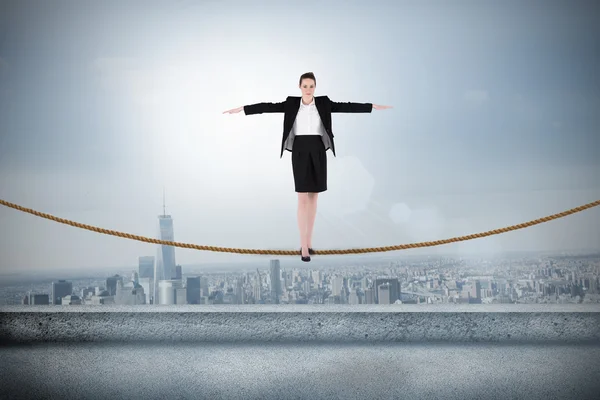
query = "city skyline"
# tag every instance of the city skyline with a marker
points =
(537, 278)
(494, 123)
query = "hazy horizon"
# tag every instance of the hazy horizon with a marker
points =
(262, 263)
(104, 104)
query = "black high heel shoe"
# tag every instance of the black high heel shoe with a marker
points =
(305, 259)
(311, 251)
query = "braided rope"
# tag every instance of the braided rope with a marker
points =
(296, 252)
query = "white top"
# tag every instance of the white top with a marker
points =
(308, 121)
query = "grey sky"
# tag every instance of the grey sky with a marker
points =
(495, 122)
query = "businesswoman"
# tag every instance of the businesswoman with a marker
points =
(307, 134)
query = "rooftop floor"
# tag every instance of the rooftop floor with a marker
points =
(426, 351)
(300, 371)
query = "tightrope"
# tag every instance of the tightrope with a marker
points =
(297, 252)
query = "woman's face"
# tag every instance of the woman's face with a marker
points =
(307, 87)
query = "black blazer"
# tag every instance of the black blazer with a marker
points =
(290, 108)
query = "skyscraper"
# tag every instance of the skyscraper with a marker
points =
(394, 289)
(167, 294)
(193, 290)
(275, 276)
(337, 283)
(111, 284)
(61, 289)
(165, 262)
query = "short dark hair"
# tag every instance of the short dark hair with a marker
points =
(308, 75)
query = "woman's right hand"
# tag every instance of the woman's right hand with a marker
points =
(234, 110)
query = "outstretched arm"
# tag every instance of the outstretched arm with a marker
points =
(351, 107)
(355, 107)
(258, 108)
(264, 108)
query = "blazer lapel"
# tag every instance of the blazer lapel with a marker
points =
(325, 117)
(291, 113)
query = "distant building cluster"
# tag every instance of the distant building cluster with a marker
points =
(395, 284)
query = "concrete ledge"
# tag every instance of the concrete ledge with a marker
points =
(512, 323)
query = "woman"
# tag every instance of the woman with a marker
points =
(307, 135)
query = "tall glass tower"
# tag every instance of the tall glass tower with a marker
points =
(165, 260)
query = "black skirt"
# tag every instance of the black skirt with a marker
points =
(309, 164)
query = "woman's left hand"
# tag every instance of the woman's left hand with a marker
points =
(378, 107)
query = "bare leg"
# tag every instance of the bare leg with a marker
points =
(302, 217)
(310, 218)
